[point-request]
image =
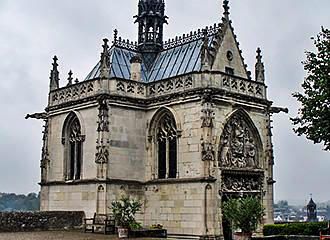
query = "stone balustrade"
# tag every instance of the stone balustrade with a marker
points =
(140, 90)
(73, 92)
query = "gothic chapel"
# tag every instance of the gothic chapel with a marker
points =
(179, 124)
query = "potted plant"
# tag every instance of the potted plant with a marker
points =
(124, 211)
(244, 214)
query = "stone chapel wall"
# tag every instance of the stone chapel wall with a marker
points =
(88, 119)
(127, 143)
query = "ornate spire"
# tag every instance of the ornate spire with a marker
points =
(151, 18)
(70, 78)
(226, 7)
(54, 76)
(105, 59)
(259, 68)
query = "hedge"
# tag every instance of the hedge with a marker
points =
(307, 229)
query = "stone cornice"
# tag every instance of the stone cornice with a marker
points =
(130, 182)
(240, 171)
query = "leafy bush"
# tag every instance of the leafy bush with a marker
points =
(135, 226)
(124, 210)
(307, 229)
(244, 213)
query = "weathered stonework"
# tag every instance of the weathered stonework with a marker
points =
(40, 221)
(181, 144)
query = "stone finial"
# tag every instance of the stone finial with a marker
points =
(70, 78)
(226, 7)
(115, 35)
(76, 81)
(205, 48)
(54, 75)
(259, 68)
(105, 59)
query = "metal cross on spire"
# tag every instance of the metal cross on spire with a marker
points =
(259, 57)
(226, 7)
(70, 78)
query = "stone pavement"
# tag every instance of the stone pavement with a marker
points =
(58, 236)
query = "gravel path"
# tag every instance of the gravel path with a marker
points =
(57, 236)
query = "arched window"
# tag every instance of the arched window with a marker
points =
(73, 144)
(167, 147)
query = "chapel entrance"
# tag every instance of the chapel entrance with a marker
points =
(226, 225)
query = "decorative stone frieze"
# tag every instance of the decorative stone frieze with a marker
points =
(242, 183)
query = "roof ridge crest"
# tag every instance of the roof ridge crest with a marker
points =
(126, 44)
(193, 36)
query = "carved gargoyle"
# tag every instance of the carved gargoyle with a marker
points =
(278, 110)
(42, 115)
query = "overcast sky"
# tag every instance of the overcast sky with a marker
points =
(32, 32)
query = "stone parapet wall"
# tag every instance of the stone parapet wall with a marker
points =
(40, 221)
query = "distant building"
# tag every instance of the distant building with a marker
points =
(311, 212)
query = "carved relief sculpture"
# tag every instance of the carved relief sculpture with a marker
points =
(238, 145)
(241, 183)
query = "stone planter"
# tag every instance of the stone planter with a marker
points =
(242, 236)
(148, 233)
(122, 232)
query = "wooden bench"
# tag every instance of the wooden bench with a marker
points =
(100, 221)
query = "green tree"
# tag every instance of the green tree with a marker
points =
(282, 204)
(13, 202)
(313, 119)
(244, 213)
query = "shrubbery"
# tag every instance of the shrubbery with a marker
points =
(307, 229)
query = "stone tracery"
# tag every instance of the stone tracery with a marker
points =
(73, 140)
(166, 128)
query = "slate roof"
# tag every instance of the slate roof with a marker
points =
(181, 58)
